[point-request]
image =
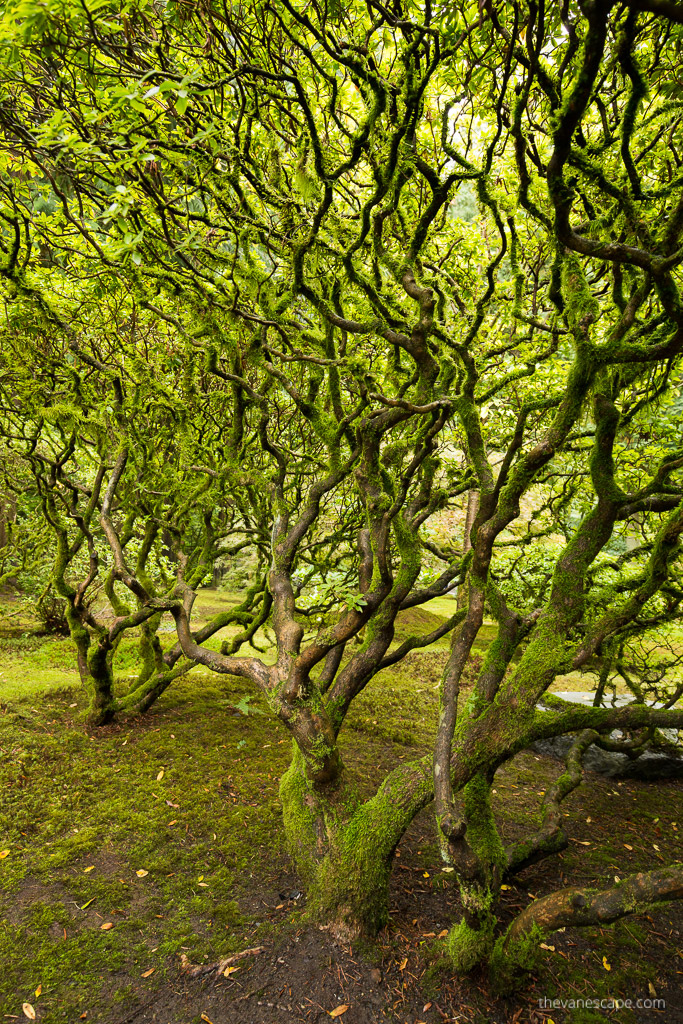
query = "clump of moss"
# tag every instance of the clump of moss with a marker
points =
(375, 727)
(352, 886)
(466, 947)
(511, 962)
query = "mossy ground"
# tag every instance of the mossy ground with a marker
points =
(81, 815)
(187, 795)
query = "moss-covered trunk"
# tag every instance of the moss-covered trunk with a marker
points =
(101, 682)
(479, 860)
(343, 846)
(142, 695)
(94, 667)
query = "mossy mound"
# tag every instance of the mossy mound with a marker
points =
(417, 621)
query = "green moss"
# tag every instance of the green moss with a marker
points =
(222, 770)
(482, 833)
(339, 850)
(71, 802)
(299, 817)
(352, 884)
(65, 967)
(586, 1017)
(227, 914)
(509, 965)
(466, 947)
(343, 846)
(581, 305)
(385, 729)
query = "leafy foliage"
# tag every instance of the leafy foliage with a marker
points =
(302, 282)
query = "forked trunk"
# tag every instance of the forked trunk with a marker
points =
(343, 846)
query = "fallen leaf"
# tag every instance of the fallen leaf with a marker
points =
(3, 854)
(203, 885)
(337, 1012)
(425, 874)
(160, 775)
(146, 974)
(86, 870)
(544, 946)
(229, 970)
(39, 990)
(29, 1011)
(655, 847)
(652, 990)
(448, 869)
(200, 878)
(207, 1020)
(404, 963)
(505, 887)
(427, 1006)
(627, 847)
(141, 873)
(429, 935)
(605, 964)
(443, 934)
(174, 822)
(88, 903)
(106, 926)
(170, 804)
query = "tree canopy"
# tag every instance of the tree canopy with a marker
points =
(304, 281)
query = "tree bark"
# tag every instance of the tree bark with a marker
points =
(576, 906)
(470, 516)
(343, 847)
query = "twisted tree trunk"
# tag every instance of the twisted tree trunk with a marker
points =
(343, 846)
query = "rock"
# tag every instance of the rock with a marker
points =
(649, 766)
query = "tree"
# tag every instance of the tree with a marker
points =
(114, 519)
(422, 258)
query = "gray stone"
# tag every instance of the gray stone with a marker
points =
(651, 765)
